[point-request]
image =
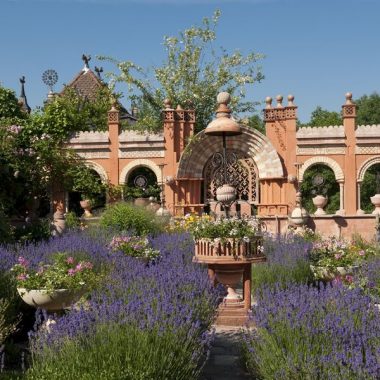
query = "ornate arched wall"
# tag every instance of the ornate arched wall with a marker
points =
(250, 142)
(339, 174)
(365, 166)
(99, 169)
(135, 164)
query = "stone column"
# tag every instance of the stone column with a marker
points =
(359, 210)
(341, 210)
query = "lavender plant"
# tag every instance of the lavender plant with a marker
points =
(146, 322)
(309, 333)
(287, 262)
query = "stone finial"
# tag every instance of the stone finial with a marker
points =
(86, 59)
(179, 108)
(349, 98)
(167, 104)
(290, 100)
(279, 99)
(268, 101)
(223, 98)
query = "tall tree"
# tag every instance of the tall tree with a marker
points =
(368, 109)
(323, 118)
(192, 75)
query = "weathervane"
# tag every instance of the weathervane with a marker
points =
(86, 59)
(99, 70)
(50, 78)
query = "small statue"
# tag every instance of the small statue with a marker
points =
(86, 59)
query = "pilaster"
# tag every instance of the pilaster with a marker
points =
(114, 132)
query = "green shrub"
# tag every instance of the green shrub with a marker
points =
(119, 352)
(72, 220)
(124, 216)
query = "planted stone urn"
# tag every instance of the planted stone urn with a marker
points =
(320, 202)
(55, 300)
(376, 202)
(86, 204)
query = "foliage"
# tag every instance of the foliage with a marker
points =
(323, 118)
(123, 216)
(64, 272)
(9, 107)
(134, 246)
(132, 192)
(192, 75)
(72, 221)
(145, 322)
(368, 109)
(6, 329)
(310, 333)
(369, 188)
(256, 122)
(330, 188)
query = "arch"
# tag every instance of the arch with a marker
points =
(339, 175)
(136, 163)
(99, 169)
(365, 166)
(251, 142)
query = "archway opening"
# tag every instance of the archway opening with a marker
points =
(141, 183)
(320, 179)
(369, 187)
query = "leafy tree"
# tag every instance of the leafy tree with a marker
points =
(256, 122)
(323, 118)
(368, 109)
(330, 188)
(9, 106)
(192, 75)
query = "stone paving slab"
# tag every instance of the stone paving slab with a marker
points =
(224, 362)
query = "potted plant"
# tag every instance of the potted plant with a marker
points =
(141, 195)
(56, 285)
(334, 257)
(134, 246)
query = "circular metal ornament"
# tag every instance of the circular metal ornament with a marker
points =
(318, 180)
(141, 181)
(50, 77)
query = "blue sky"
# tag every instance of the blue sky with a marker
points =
(315, 49)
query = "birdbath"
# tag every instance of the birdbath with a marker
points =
(230, 260)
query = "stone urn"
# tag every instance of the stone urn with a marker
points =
(86, 204)
(59, 222)
(320, 202)
(226, 194)
(376, 202)
(230, 277)
(56, 300)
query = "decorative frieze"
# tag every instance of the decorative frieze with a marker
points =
(141, 153)
(319, 150)
(179, 115)
(330, 132)
(367, 149)
(368, 131)
(93, 154)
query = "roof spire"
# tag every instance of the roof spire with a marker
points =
(22, 99)
(86, 59)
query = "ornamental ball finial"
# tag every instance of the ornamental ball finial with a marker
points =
(348, 98)
(223, 98)
(279, 99)
(268, 101)
(290, 100)
(167, 104)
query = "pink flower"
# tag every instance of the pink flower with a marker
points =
(22, 277)
(338, 256)
(349, 278)
(70, 260)
(23, 262)
(71, 272)
(361, 253)
(337, 280)
(79, 267)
